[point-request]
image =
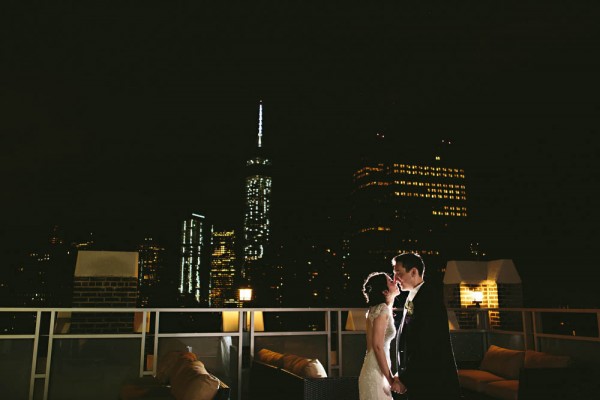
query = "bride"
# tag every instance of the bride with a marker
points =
(375, 379)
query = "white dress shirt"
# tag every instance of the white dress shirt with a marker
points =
(411, 295)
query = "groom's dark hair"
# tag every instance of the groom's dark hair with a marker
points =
(410, 261)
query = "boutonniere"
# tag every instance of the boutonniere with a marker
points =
(410, 307)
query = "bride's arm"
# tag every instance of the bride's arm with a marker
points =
(379, 326)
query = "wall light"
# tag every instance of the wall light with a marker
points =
(477, 298)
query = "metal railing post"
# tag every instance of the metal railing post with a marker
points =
(49, 355)
(240, 353)
(36, 341)
(340, 355)
(143, 345)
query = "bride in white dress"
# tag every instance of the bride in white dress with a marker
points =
(375, 379)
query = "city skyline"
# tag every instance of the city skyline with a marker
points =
(125, 120)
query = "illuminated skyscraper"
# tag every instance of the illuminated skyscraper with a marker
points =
(223, 293)
(150, 263)
(409, 202)
(195, 258)
(257, 207)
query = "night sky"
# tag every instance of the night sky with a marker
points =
(120, 119)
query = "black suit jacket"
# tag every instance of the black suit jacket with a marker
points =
(427, 365)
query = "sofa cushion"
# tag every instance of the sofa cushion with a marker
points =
(475, 379)
(168, 364)
(314, 369)
(193, 382)
(538, 359)
(270, 357)
(185, 367)
(295, 364)
(303, 367)
(503, 362)
(507, 389)
(182, 365)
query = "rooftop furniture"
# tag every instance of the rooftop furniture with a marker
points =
(180, 376)
(288, 376)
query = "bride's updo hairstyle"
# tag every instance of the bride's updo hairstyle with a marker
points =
(374, 286)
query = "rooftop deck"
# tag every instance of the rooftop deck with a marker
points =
(74, 353)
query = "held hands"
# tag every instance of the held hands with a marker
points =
(397, 386)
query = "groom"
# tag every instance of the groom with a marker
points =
(426, 365)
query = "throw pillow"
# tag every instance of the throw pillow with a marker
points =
(181, 366)
(193, 382)
(295, 364)
(167, 364)
(315, 369)
(270, 357)
(503, 362)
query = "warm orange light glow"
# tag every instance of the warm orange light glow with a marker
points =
(488, 290)
(245, 294)
(477, 296)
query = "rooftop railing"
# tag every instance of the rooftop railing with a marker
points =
(74, 353)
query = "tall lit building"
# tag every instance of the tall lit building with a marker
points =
(150, 264)
(196, 236)
(223, 292)
(257, 207)
(413, 201)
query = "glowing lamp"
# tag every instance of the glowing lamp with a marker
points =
(477, 298)
(245, 294)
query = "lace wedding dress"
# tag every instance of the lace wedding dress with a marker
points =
(372, 384)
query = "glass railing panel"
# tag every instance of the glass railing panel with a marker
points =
(468, 347)
(98, 322)
(190, 322)
(292, 321)
(468, 318)
(92, 369)
(509, 341)
(17, 323)
(310, 346)
(506, 320)
(149, 353)
(583, 353)
(353, 353)
(15, 368)
(354, 320)
(38, 389)
(569, 323)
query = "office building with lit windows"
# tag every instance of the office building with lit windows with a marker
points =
(411, 203)
(257, 205)
(223, 292)
(195, 254)
(150, 263)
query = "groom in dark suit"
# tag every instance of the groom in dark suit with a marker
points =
(426, 365)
